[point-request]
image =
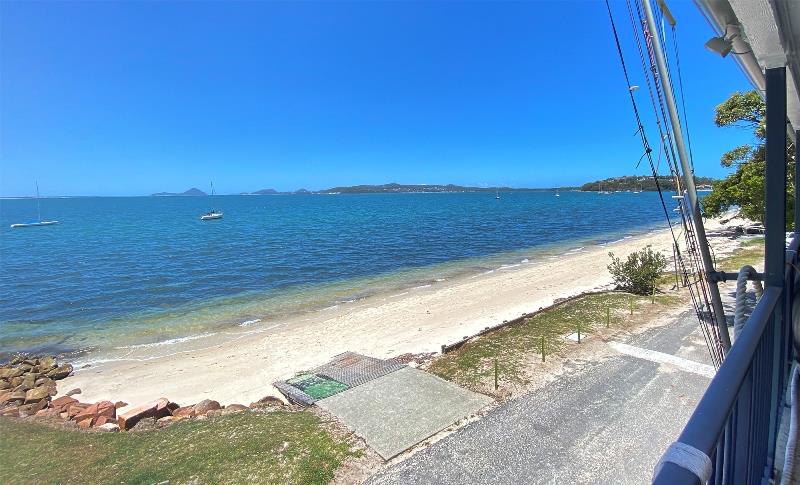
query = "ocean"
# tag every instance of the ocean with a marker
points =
(146, 271)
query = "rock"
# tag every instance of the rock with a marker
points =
(165, 421)
(15, 381)
(63, 402)
(120, 404)
(75, 409)
(37, 394)
(17, 359)
(235, 408)
(9, 411)
(48, 413)
(60, 372)
(77, 390)
(17, 396)
(96, 410)
(44, 381)
(31, 409)
(214, 413)
(109, 427)
(266, 401)
(100, 421)
(145, 424)
(186, 411)
(25, 367)
(47, 363)
(5, 396)
(204, 406)
(4, 384)
(85, 423)
(154, 409)
(29, 381)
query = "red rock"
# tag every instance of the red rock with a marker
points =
(48, 413)
(187, 411)
(10, 411)
(107, 409)
(64, 415)
(154, 409)
(85, 423)
(206, 405)
(76, 408)
(103, 420)
(63, 402)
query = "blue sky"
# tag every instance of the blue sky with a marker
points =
(126, 98)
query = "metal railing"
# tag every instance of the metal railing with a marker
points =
(736, 421)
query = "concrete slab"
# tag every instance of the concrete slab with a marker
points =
(399, 410)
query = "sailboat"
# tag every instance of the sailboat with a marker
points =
(39, 221)
(213, 213)
(497, 194)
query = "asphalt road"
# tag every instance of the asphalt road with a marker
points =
(603, 422)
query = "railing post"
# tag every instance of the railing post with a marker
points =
(775, 242)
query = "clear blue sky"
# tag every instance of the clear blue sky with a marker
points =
(125, 98)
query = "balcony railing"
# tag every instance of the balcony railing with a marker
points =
(734, 428)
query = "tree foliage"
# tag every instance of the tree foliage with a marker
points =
(637, 274)
(745, 188)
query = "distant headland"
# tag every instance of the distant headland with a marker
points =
(194, 191)
(614, 184)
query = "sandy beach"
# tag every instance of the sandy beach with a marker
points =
(241, 368)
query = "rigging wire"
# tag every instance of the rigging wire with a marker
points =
(694, 278)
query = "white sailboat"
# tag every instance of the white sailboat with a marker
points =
(497, 194)
(213, 213)
(39, 221)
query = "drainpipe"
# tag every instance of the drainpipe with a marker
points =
(688, 180)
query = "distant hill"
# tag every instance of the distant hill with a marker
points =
(265, 192)
(191, 192)
(404, 188)
(632, 182)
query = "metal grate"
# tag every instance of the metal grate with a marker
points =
(356, 369)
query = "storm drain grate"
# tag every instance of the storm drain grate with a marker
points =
(345, 371)
(356, 369)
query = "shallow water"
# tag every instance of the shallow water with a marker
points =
(143, 270)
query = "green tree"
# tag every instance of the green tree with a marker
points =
(637, 274)
(744, 189)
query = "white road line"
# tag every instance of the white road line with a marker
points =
(662, 358)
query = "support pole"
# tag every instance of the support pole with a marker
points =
(775, 206)
(796, 228)
(775, 236)
(688, 179)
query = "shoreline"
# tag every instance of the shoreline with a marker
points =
(415, 320)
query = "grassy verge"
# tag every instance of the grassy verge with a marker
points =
(277, 447)
(750, 252)
(514, 346)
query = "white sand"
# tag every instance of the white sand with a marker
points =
(420, 320)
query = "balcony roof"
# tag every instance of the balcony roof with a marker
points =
(769, 36)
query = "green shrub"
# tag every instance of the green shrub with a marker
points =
(638, 274)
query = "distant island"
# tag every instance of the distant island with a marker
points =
(191, 192)
(640, 183)
(625, 183)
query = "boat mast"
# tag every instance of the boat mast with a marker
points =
(688, 178)
(38, 204)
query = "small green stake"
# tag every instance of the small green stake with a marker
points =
(542, 348)
(579, 332)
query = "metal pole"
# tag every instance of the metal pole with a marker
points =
(688, 178)
(796, 228)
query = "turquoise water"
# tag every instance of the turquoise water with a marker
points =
(120, 271)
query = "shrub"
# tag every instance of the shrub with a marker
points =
(638, 273)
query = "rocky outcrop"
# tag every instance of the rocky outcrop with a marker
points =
(28, 387)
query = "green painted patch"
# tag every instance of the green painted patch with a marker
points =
(316, 386)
